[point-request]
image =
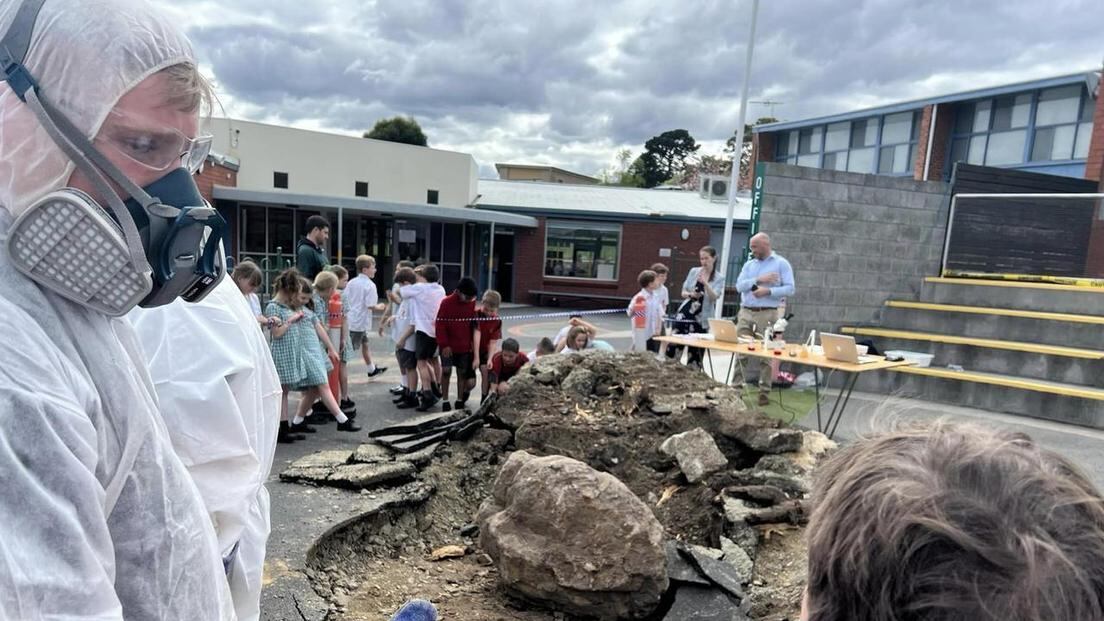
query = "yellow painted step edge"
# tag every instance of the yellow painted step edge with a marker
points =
(1012, 283)
(1033, 348)
(1003, 312)
(1023, 384)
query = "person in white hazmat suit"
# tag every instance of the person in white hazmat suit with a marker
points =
(220, 398)
(99, 108)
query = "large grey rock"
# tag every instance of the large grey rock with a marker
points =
(702, 603)
(580, 382)
(696, 453)
(316, 467)
(739, 559)
(572, 538)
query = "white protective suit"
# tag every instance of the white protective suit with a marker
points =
(220, 398)
(100, 519)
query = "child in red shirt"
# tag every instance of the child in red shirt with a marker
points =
(505, 365)
(487, 331)
(454, 338)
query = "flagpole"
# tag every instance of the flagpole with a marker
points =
(737, 155)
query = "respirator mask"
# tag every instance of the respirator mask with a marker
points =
(160, 244)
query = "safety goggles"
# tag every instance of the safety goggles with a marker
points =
(152, 146)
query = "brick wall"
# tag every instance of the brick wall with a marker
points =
(762, 150)
(1094, 168)
(854, 240)
(944, 120)
(640, 245)
(212, 175)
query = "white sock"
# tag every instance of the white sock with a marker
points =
(371, 367)
(402, 381)
(341, 418)
(298, 420)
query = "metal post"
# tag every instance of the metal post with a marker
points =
(340, 233)
(490, 260)
(737, 155)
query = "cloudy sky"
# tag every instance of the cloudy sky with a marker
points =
(570, 82)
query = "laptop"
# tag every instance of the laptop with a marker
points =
(841, 348)
(723, 330)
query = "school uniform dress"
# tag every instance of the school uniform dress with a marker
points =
(298, 355)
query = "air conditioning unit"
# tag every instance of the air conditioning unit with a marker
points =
(714, 187)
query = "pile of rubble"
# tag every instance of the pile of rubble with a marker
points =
(607, 486)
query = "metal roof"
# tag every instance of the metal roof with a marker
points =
(364, 205)
(1089, 78)
(605, 202)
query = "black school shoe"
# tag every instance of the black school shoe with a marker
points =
(302, 427)
(348, 425)
(348, 404)
(396, 390)
(319, 408)
(318, 418)
(408, 402)
(378, 371)
(446, 407)
(427, 403)
(285, 436)
(459, 405)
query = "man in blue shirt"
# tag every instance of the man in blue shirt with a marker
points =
(764, 282)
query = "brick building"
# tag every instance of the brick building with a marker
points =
(593, 241)
(1054, 125)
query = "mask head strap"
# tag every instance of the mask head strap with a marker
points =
(14, 46)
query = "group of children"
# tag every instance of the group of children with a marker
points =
(648, 308)
(438, 334)
(318, 327)
(315, 328)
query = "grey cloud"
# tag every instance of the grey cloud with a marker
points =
(476, 74)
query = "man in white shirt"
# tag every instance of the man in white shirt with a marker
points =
(362, 299)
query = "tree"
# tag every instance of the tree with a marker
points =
(745, 150)
(647, 171)
(670, 150)
(399, 129)
(622, 174)
(704, 165)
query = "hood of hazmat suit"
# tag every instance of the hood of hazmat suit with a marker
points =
(101, 519)
(220, 399)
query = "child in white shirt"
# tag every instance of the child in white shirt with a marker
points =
(645, 315)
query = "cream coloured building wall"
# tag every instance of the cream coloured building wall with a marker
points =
(330, 164)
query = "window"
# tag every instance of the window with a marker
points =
(996, 132)
(361, 189)
(582, 250)
(280, 180)
(431, 197)
(808, 146)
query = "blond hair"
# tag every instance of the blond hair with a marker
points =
(492, 299)
(190, 92)
(364, 262)
(954, 522)
(325, 281)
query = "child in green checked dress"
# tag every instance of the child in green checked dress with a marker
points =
(297, 349)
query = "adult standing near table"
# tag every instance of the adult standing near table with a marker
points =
(764, 281)
(310, 258)
(700, 290)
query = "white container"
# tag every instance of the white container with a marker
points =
(862, 349)
(919, 359)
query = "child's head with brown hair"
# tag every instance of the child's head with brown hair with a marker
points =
(578, 338)
(325, 283)
(545, 347)
(306, 294)
(366, 264)
(406, 276)
(286, 286)
(661, 271)
(247, 276)
(492, 301)
(342, 275)
(646, 279)
(954, 522)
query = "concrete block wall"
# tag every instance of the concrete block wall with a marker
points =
(854, 241)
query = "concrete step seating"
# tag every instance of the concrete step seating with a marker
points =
(1035, 349)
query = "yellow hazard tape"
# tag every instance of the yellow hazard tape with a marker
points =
(1056, 280)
